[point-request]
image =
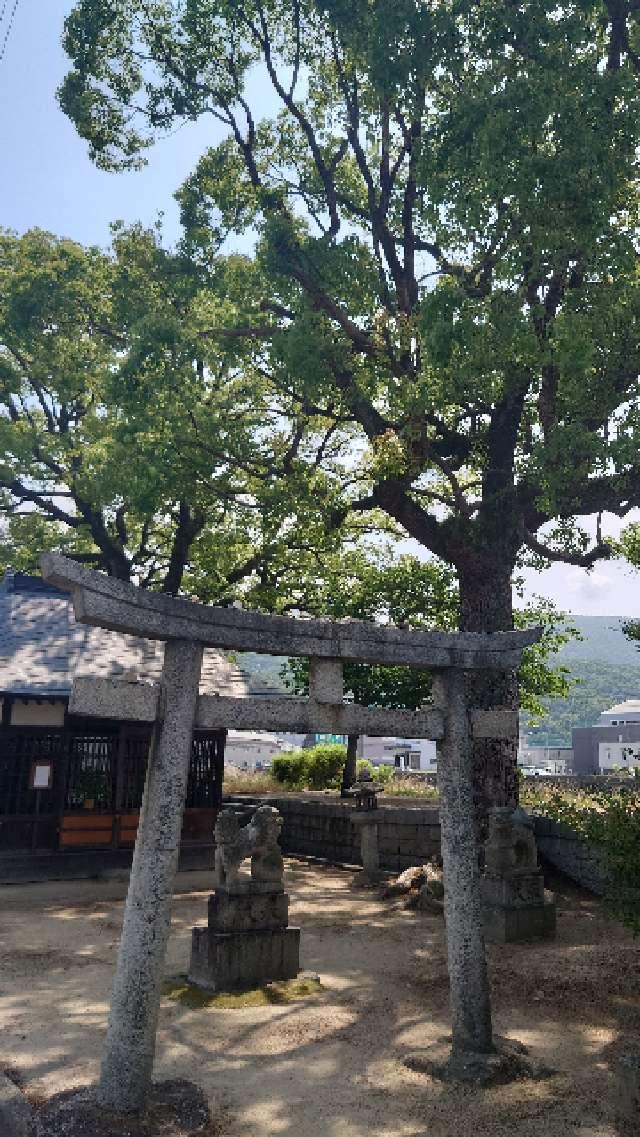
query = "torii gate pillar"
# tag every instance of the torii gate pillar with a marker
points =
(128, 1063)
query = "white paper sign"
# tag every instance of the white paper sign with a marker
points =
(41, 777)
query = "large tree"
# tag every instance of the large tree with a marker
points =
(445, 210)
(133, 441)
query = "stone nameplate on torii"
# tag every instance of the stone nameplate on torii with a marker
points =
(175, 708)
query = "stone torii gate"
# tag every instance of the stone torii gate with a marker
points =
(175, 708)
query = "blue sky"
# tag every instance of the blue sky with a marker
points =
(49, 181)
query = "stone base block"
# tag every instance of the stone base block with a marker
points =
(238, 961)
(514, 925)
(518, 889)
(248, 911)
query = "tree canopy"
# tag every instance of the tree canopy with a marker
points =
(132, 441)
(445, 212)
(381, 584)
(443, 201)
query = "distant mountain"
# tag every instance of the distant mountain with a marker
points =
(607, 667)
(603, 640)
(262, 671)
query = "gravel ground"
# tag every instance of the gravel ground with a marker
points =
(332, 1065)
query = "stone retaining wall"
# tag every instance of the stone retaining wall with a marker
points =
(324, 829)
(408, 836)
(321, 827)
(560, 847)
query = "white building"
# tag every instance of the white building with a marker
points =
(622, 714)
(255, 749)
(620, 755)
(550, 759)
(620, 750)
(405, 753)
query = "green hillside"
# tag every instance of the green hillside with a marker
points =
(603, 640)
(607, 667)
(262, 671)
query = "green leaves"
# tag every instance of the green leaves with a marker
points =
(316, 768)
(444, 205)
(122, 422)
(610, 821)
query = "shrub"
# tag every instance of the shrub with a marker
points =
(318, 768)
(288, 769)
(324, 764)
(384, 774)
(364, 764)
(609, 820)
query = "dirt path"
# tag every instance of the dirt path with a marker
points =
(333, 1066)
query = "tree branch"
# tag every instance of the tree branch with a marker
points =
(581, 560)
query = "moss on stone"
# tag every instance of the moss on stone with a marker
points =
(179, 990)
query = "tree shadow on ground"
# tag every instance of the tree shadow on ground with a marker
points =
(334, 1066)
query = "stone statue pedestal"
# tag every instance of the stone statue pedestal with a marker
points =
(517, 907)
(247, 942)
(515, 904)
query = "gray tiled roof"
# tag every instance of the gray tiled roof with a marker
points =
(42, 647)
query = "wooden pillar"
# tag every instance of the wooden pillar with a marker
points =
(127, 1067)
(218, 767)
(7, 704)
(120, 753)
(469, 982)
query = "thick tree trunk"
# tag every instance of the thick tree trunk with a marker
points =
(190, 524)
(349, 771)
(126, 1070)
(486, 606)
(469, 983)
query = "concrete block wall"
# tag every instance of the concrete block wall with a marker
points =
(318, 829)
(407, 837)
(324, 829)
(560, 847)
(410, 836)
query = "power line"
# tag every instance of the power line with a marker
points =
(9, 25)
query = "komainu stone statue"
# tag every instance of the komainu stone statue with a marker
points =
(258, 840)
(248, 941)
(516, 905)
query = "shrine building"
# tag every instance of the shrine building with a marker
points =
(70, 787)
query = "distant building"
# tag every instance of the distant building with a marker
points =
(255, 749)
(622, 714)
(613, 742)
(551, 759)
(404, 753)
